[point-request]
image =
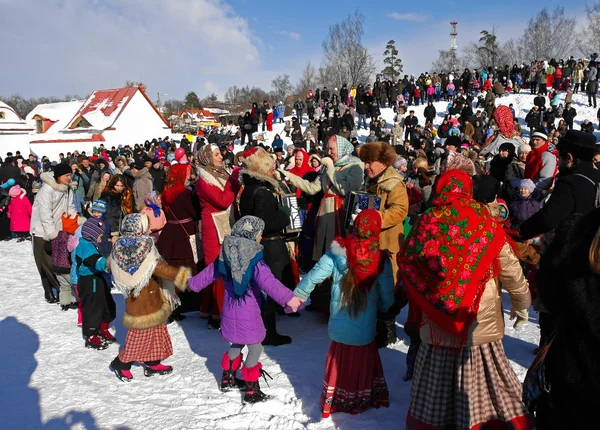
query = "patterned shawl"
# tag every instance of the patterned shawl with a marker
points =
(449, 256)
(504, 120)
(365, 260)
(205, 159)
(134, 257)
(240, 253)
(344, 151)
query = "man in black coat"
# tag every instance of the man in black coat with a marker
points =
(325, 94)
(569, 115)
(410, 122)
(576, 189)
(158, 175)
(258, 199)
(344, 94)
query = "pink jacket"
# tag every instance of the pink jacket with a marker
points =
(156, 223)
(19, 212)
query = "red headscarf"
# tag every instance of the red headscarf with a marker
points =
(175, 183)
(450, 255)
(303, 169)
(365, 261)
(504, 120)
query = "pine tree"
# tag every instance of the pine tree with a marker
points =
(393, 67)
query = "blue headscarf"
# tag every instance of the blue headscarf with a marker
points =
(151, 201)
(240, 253)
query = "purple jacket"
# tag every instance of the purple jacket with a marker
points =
(521, 209)
(240, 320)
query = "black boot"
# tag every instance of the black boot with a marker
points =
(386, 331)
(273, 338)
(48, 293)
(230, 367)
(253, 392)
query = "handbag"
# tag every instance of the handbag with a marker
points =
(191, 238)
(221, 221)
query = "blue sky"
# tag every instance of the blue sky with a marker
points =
(59, 47)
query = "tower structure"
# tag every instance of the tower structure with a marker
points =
(453, 46)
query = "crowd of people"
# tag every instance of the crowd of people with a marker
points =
(463, 211)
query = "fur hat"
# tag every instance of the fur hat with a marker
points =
(257, 160)
(62, 169)
(378, 151)
(453, 141)
(527, 183)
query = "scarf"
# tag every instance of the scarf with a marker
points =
(205, 160)
(534, 163)
(344, 151)
(449, 256)
(175, 183)
(365, 261)
(240, 253)
(151, 201)
(303, 169)
(134, 258)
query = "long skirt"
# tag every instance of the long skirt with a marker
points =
(470, 389)
(354, 380)
(150, 344)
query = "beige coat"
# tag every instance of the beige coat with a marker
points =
(391, 190)
(489, 324)
(338, 181)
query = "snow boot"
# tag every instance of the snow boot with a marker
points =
(253, 393)
(386, 332)
(105, 334)
(123, 375)
(273, 338)
(48, 292)
(65, 308)
(158, 369)
(230, 367)
(95, 342)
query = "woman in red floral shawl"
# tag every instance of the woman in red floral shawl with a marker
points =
(453, 260)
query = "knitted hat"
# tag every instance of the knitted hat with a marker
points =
(539, 133)
(527, 183)
(62, 169)
(92, 229)
(400, 162)
(257, 160)
(15, 191)
(99, 206)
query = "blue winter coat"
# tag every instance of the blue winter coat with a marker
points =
(280, 111)
(88, 260)
(344, 328)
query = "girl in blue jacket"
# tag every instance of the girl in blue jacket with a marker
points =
(97, 305)
(363, 284)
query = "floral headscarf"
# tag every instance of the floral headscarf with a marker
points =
(205, 160)
(504, 120)
(240, 253)
(175, 183)
(449, 256)
(134, 256)
(344, 151)
(362, 250)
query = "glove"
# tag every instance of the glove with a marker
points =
(294, 303)
(327, 162)
(521, 318)
(283, 173)
(284, 209)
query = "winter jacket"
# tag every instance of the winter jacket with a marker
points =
(19, 212)
(489, 324)
(157, 223)
(50, 203)
(151, 307)
(521, 209)
(429, 113)
(573, 194)
(114, 211)
(343, 327)
(158, 179)
(215, 195)
(241, 320)
(391, 190)
(141, 187)
(569, 114)
(88, 260)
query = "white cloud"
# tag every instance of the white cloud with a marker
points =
(410, 16)
(173, 46)
(291, 34)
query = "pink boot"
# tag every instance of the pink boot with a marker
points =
(159, 369)
(229, 367)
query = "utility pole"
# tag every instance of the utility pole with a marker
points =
(453, 46)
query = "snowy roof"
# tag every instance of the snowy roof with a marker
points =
(102, 108)
(218, 111)
(204, 114)
(59, 113)
(11, 122)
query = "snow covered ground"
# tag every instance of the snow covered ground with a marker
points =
(51, 381)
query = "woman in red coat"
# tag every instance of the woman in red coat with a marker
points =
(270, 120)
(182, 212)
(216, 191)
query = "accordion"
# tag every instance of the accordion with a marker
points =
(356, 202)
(290, 201)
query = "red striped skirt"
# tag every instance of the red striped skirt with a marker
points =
(354, 380)
(151, 344)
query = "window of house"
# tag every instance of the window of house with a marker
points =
(39, 126)
(2, 115)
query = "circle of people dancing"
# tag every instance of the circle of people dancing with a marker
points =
(358, 231)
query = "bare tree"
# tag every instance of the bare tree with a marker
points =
(444, 63)
(590, 33)
(210, 99)
(233, 95)
(345, 59)
(512, 52)
(281, 87)
(307, 81)
(549, 35)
